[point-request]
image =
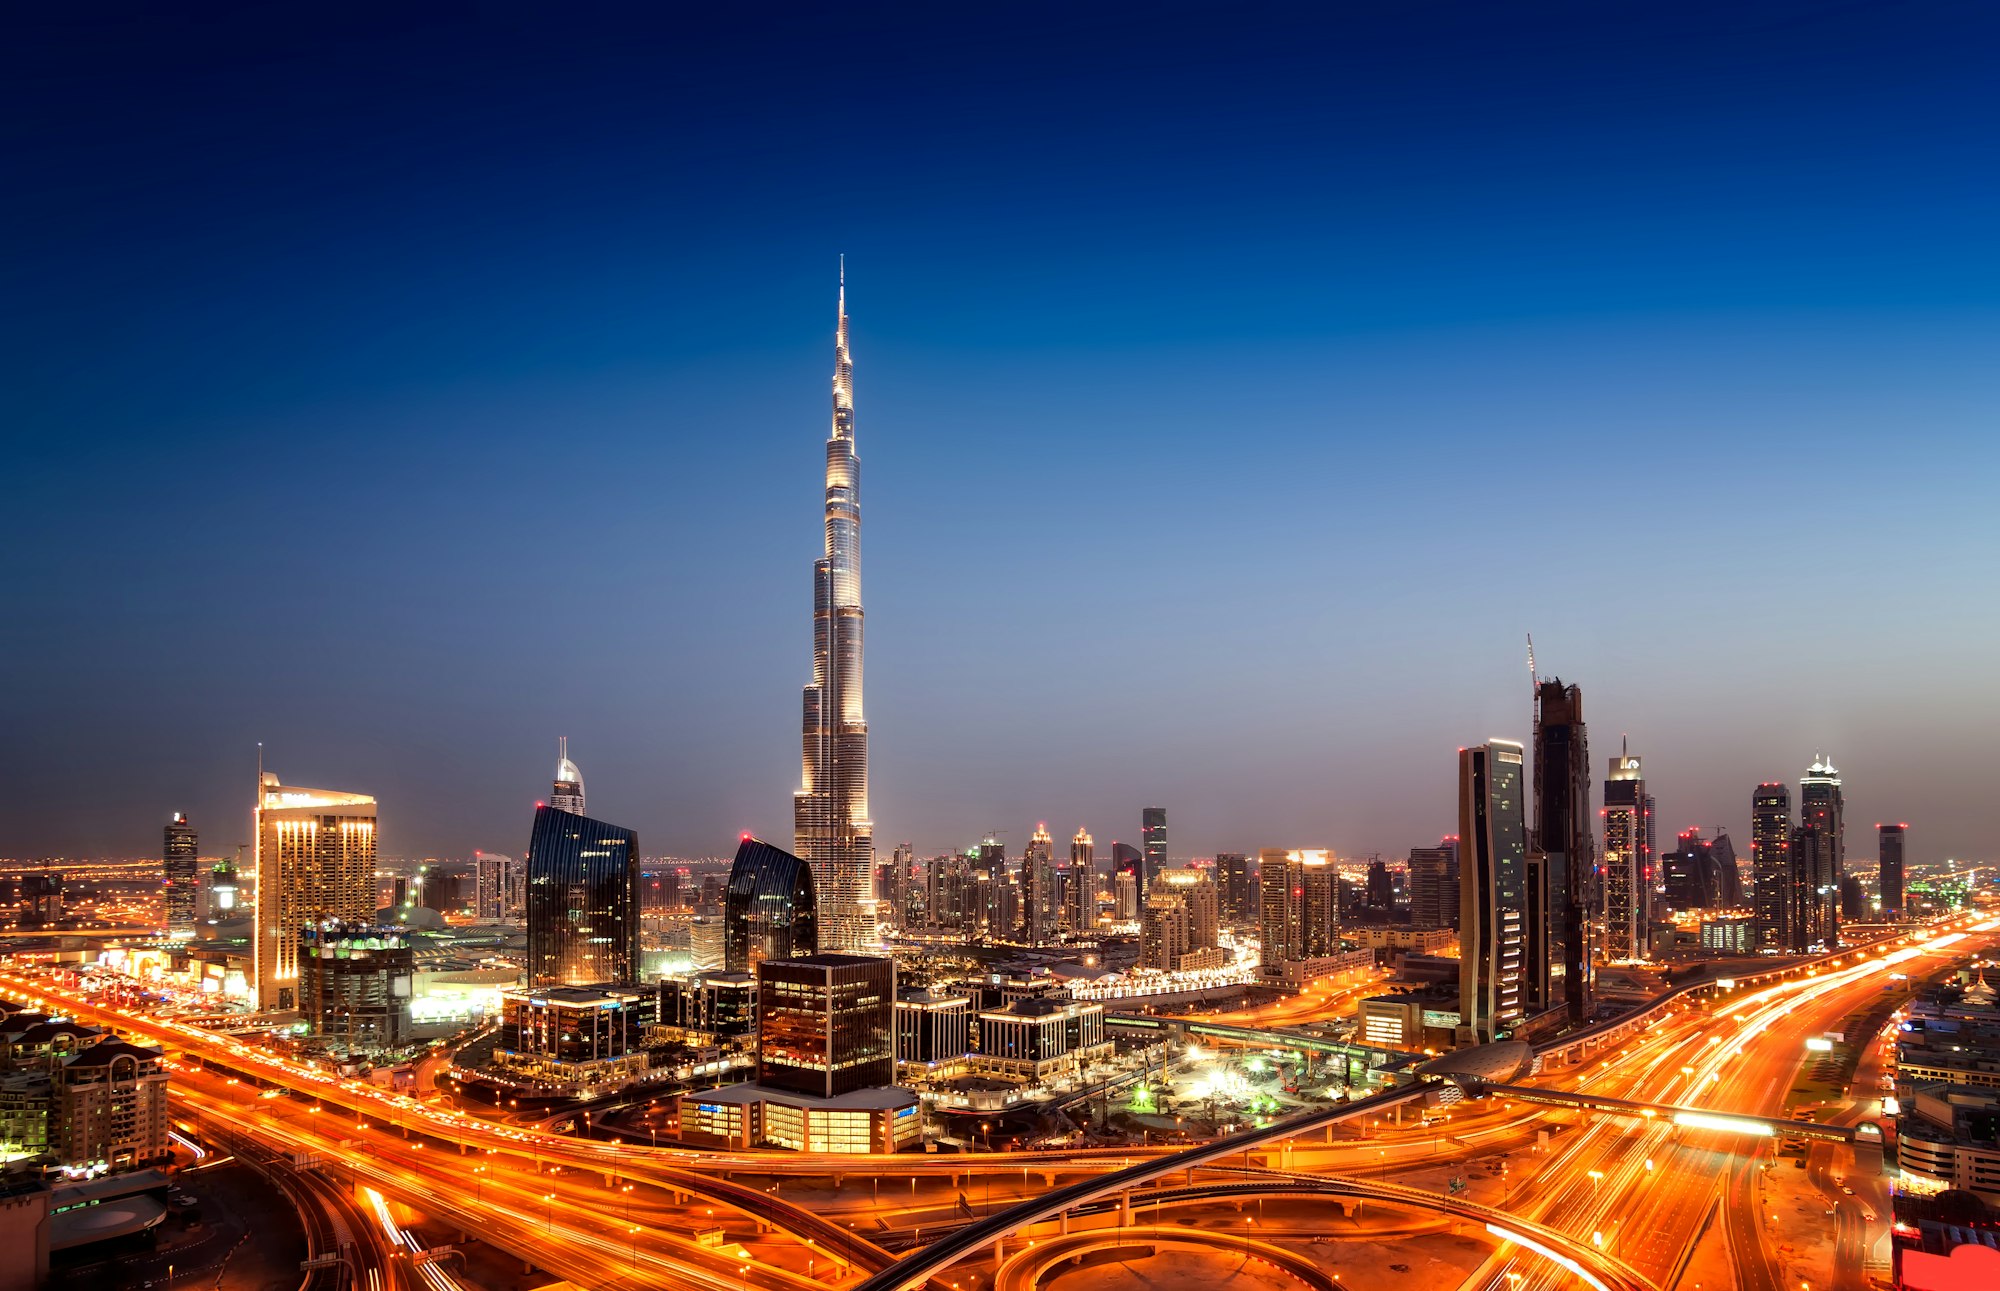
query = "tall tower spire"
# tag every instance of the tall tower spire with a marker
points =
(832, 831)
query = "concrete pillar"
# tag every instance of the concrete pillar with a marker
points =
(1125, 1209)
(999, 1251)
(1064, 1230)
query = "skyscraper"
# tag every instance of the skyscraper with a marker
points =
(1822, 807)
(182, 887)
(1889, 866)
(1434, 885)
(1771, 865)
(1492, 889)
(1038, 888)
(1153, 838)
(1298, 906)
(830, 811)
(498, 893)
(771, 910)
(583, 901)
(1563, 837)
(1082, 916)
(1628, 859)
(1232, 879)
(315, 861)
(1811, 920)
(826, 1024)
(567, 794)
(1178, 926)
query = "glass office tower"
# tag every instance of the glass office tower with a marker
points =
(583, 901)
(771, 910)
(1493, 889)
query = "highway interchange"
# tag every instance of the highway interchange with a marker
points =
(1611, 1202)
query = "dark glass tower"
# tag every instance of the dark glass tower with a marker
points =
(770, 911)
(1493, 863)
(583, 901)
(826, 1024)
(1153, 838)
(1771, 864)
(1822, 806)
(1889, 847)
(1563, 837)
(182, 885)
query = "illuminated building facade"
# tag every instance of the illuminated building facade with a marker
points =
(1493, 878)
(315, 860)
(1298, 907)
(826, 1024)
(500, 892)
(583, 901)
(770, 911)
(1179, 925)
(1563, 838)
(355, 985)
(1813, 893)
(1153, 839)
(1628, 859)
(1771, 864)
(830, 811)
(183, 886)
(1081, 908)
(1889, 868)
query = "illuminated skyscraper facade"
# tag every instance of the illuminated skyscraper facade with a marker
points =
(315, 861)
(583, 901)
(1628, 859)
(1771, 865)
(1082, 911)
(830, 811)
(182, 885)
(1493, 878)
(1038, 889)
(1298, 907)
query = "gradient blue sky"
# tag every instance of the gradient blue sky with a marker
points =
(1236, 387)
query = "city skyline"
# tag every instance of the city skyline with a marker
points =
(1342, 366)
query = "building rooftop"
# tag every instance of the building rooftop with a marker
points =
(881, 1099)
(99, 1055)
(576, 996)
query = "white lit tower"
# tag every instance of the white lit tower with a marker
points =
(567, 795)
(830, 811)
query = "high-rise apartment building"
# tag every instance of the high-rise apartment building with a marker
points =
(183, 885)
(1153, 838)
(583, 901)
(499, 890)
(1772, 897)
(1178, 929)
(826, 1024)
(1493, 864)
(315, 860)
(1038, 888)
(1298, 906)
(1235, 887)
(1628, 859)
(1081, 916)
(771, 910)
(1889, 868)
(567, 792)
(1822, 806)
(830, 810)
(1434, 885)
(1563, 837)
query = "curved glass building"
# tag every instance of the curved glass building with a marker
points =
(771, 911)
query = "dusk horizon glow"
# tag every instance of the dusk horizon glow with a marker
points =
(1231, 406)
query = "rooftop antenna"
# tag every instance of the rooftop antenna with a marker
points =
(1533, 677)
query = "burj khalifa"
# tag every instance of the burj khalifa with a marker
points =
(830, 810)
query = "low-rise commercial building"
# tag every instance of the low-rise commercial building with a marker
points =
(574, 1035)
(1040, 1041)
(885, 1119)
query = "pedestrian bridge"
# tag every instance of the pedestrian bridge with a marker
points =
(1693, 1118)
